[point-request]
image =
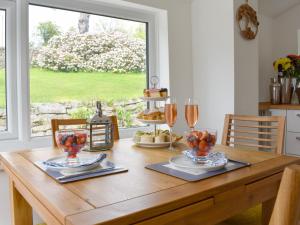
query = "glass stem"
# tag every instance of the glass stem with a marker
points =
(171, 142)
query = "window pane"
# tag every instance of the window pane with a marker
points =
(3, 114)
(78, 58)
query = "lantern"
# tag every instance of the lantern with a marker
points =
(101, 131)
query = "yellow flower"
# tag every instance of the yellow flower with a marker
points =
(285, 62)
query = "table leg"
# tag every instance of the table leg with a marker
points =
(267, 209)
(21, 211)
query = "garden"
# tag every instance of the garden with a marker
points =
(71, 70)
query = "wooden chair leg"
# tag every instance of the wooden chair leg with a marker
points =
(21, 211)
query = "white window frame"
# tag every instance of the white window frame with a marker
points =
(10, 69)
(157, 56)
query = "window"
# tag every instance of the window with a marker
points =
(77, 58)
(8, 86)
(50, 64)
(3, 113)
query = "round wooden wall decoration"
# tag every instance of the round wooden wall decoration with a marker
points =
(247, 21)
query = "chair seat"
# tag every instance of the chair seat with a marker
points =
(250, 217)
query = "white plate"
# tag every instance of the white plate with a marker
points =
(182, 161)
(155, 98)
(71, 169)
(153, 145)
(152, 121)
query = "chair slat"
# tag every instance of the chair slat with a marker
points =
(241, 129)
(251, 145)
(252, 132)
(254, 126)
(252, 138)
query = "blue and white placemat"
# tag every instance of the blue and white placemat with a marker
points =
(194, 174)
(63, 177)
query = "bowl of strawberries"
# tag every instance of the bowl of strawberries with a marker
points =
(200, 143)
(71, 142)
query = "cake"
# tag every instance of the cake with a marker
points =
(163, 92)
(154, 114)
(161, 138)
(146, 138)
(156, 93)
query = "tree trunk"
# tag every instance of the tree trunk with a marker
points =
(83, 23)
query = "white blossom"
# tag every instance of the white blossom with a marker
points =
(71, 52)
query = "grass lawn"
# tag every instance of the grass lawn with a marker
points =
(47, 86)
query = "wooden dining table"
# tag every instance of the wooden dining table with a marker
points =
(142, 196)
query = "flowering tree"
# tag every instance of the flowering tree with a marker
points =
(105, 52)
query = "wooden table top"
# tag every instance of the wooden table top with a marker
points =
(112, 198)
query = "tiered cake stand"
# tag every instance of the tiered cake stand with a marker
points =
(154, 104)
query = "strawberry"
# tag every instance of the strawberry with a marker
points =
(204, 135)
(203, 145)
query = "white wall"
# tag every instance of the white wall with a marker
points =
(285, 31)
(265, 43)
(180, 51)
(225, 65)
(246, 69)
(213, 60)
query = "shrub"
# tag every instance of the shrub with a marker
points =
(82, 113)
(72, 52)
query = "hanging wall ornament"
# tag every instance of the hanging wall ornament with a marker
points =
(247, 21)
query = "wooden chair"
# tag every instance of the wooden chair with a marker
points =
(287, 206)
(254, 132)
(56, 123)
(286, 210)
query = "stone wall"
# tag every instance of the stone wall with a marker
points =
(42, 113)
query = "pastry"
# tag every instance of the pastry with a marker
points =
(163, 92)
(156, 93)
(161, 138)
(146, 93)
(154, 114)
(146, 138)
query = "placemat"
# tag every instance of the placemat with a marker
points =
(194, 175)
(97, 172)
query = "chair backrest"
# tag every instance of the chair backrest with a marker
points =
(287, 206)
(254, 132)
(56, 123)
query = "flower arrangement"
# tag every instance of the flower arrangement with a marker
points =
(289, 66)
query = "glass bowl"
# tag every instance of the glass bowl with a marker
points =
(201, 142)
(71, 142)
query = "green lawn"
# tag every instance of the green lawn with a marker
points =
(48, 86)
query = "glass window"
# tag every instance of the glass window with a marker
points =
(77, 58)
(3, 104)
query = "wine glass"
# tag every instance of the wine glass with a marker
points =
(171, 116)
(191, 113)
